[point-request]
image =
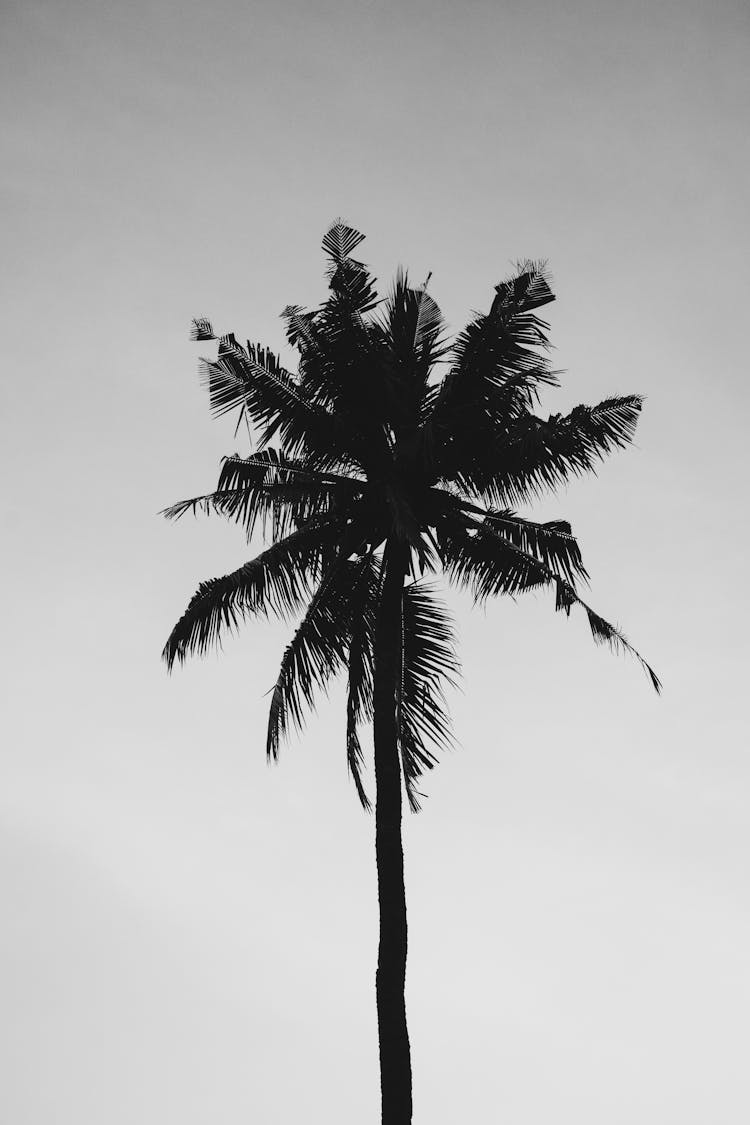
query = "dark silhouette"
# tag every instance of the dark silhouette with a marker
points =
(381, 472)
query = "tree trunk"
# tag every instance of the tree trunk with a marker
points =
(395, 1057)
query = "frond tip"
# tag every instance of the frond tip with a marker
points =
(606, 634)
(201, 329)
(340, 240)
(528, 289)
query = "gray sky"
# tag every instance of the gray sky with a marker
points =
(189, 936)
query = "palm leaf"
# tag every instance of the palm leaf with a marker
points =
(476, 556)
(317, 650)
(285, 507)
(201, 329)
(276, 581)
(280, 491)
(428, 663)
(300, 327)
(509, 337)
(486, 563)
(271, 489)
(411, 323)
(360, 661)
(552, 543)
(528, 289)
(340, 240)
(497, 370)
(414, 323)
(536, 456)
(253, 381)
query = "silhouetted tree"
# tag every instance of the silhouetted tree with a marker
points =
(371, 470)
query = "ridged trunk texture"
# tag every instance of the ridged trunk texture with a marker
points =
(395, 1055)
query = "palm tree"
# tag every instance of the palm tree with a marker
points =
(370, 471)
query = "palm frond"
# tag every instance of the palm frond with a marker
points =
(201, 329)
(340, 240)
(360, 661)
(497, 370)
(270, 466)
(349, 280)
(552, 543)
(276, 581)
(278, 508)
(354, 286)
(428, 664)
(414, 323)
(411, 324)
(267, 488)
(250, 379)
(509, 337)
(602, 631)
(528, 289)
(317, 650)
(487, 564)
(253, 381)
(481, 559)
(300, 327)
(536, 456)
(343, 374)
(283, 494)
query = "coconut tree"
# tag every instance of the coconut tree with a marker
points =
(390, 456)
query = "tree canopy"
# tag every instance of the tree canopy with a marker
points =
(390, 433)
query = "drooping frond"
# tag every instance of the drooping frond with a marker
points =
(277, 581)
(360, 661)
(552, 543)
(602, 631)
(318, 648)
(486, 562)
(428, 663)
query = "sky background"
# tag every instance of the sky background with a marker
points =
(188, 935)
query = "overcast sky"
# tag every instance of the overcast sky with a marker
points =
(189, 936)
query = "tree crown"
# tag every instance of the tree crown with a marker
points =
(390, 434)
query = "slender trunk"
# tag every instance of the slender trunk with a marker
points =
(395, 1057)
